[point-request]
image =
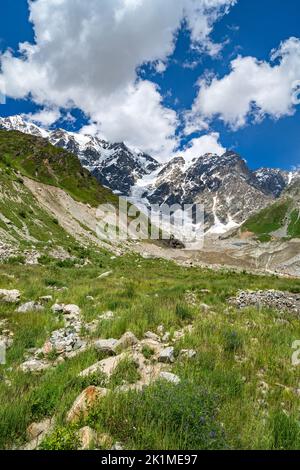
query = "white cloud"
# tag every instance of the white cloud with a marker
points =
(252, 89)
(160, 67)
(45, 117)
(202, 145)
(86, 55)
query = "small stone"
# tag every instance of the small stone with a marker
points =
(204, 308)
(90, 298)
(126, 341)
(166, 337)
(187, 354)
(172, 378)
(153, 336)
(84, 402)
(117, 446)
(30, 307)
(167, 355)
(107, 316)
(106, 346)
(160, 330)
(104, 275)
(9, 296)
(57, 308)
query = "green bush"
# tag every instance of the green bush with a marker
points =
(61, 439)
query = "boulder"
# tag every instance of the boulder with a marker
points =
(30, 307)
(172, 378)
(36, 429)
(167, 355)
(84, 402)
(9, 296)
(126, 341)
(35, 366)
(106, 366)
(71, 310)
(36, 432)
(106, 346)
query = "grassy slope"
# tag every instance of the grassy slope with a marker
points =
(269, 219)
(39, 160)
(18, 206)
(284, 212)
(236, 350)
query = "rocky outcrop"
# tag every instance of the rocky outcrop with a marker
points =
(84, 402)
(278, 300)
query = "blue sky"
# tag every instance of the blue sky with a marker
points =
(251, 28)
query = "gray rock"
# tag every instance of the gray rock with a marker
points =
(126, 341)
(153, 336)
(172, 378)
(37, 432)
(166, 337)
(278, 300)
(117, 446)
(71, 310)
(57, 308)
(106, 346)
(35, 366)
(187, 354)
(9, 296)
(30, 307)
(167, 355)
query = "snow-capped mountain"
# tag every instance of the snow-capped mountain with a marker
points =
(227, 188)
(113, 164)
(274, 181)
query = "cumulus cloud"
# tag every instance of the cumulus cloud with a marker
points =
(45, 117)
(86, 55)
(253, 88)
(202, 145)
